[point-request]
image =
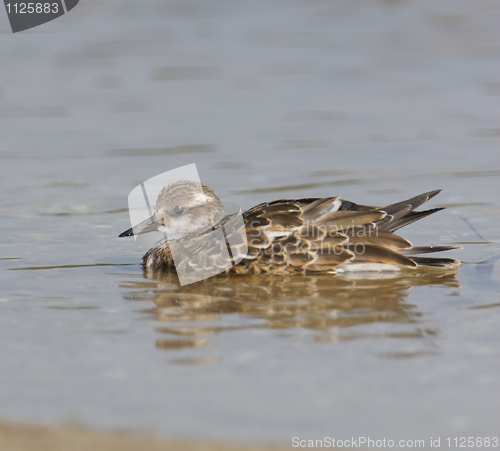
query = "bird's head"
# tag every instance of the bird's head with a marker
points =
(183, 209)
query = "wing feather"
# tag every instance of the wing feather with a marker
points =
(379, 254)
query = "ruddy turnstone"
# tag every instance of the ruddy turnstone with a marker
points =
(310, 235)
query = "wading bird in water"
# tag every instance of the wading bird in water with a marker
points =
(310, 235)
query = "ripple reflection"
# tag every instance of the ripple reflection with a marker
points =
(330, 308)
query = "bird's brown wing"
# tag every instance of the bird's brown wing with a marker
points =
(320, 234)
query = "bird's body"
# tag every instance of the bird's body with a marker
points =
(311, 235)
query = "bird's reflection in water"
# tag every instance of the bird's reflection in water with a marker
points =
(329, 307)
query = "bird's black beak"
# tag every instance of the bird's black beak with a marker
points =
(149, 225)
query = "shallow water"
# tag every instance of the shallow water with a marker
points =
(373, 102)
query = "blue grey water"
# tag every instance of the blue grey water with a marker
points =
(373, 101)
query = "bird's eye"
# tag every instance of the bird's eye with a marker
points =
(178, 210)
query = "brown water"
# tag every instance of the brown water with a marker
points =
(371, 101)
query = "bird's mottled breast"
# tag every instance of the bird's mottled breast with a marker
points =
(158, 256)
